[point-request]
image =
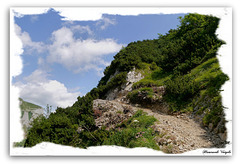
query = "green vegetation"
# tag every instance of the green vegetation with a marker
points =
(199, 92)
(183, 60)
(29, 115)
(19, 144)
(153, 78)
(135, 132)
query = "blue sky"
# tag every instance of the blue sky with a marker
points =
(64, 59)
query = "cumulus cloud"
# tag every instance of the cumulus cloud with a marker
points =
(73, 53)
(79, 55)
(27, 42)
(42, 91)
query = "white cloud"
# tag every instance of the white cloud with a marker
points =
(95, 13)
(79, 55)
(75, 54)
(81, 29)
(27, 42)
(21, 11)
(39, 90)
(37, 76)
(105, 22)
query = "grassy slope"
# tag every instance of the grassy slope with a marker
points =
(28, 106)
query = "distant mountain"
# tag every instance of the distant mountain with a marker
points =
(29, 112)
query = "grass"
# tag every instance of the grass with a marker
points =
(152, 78)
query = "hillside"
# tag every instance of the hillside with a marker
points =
(149, 86)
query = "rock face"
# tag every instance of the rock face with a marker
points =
(132, 77)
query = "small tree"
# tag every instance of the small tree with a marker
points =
(48, 110)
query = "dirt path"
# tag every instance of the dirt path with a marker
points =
(179, 133)
(176, 133)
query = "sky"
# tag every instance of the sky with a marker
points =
(63, 59)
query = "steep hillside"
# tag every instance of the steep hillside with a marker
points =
(149, 85)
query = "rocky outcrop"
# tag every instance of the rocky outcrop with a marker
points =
(110, 113)
(132, 77)
(151, 97)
